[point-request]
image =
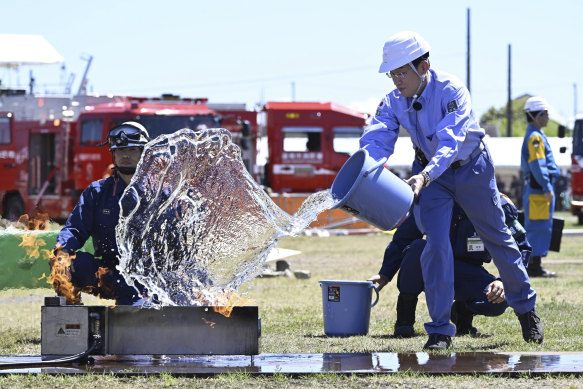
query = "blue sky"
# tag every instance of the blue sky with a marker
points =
(252, 51)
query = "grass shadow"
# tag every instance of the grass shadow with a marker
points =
(388, 336)
(35, 341)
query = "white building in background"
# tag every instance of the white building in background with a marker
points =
(505, 153)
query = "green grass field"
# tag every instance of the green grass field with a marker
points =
(292, 322)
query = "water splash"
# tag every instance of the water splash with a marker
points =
(194, 222)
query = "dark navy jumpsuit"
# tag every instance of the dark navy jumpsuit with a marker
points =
(96, 215)
(471, 279)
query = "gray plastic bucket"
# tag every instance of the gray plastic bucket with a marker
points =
(346, 306)
(369, 191)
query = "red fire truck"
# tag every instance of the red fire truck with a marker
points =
(35, 150)
(48, 144)
(307, 142)
(49, 152)
(159, 115)
(576, 168)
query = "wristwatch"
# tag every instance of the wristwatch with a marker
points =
(426, 179)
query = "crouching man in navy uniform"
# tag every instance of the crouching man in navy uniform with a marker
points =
(477, 292)
(96, 215)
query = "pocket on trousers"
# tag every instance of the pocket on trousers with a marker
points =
(538, 207)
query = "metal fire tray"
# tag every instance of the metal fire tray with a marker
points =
(129, 330)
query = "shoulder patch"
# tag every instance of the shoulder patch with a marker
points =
(536, 143)
(379, 108)
(536, 148)
(452, 106)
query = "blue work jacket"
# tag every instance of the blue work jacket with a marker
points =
(538, 165)
(95, 215)
(445, 128)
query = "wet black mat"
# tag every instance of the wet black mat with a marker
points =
(299, 364)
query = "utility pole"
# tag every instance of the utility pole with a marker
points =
(575, 100)
(468, 53)
(509, 104)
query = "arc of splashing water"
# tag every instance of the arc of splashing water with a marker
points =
(194, 221)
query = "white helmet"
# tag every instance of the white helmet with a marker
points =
(401, 49)
(536, 104)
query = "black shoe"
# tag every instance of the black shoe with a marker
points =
(472, 331)
(535, 268)
(532, 326)
(406, 305)
(437, 342)
(462, 317)
(404, 332)
(540, 272)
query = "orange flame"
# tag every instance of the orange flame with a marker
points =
(210, 323)
(106, 291)
(31, 244)
(225, 302)
(38, 222)
(60, 263)
(61, 277)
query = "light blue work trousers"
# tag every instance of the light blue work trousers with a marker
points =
(473, 187)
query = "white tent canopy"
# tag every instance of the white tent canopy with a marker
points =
(17, 50)
(505, 153)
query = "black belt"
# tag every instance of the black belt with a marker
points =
(420, 157)
(534, 183)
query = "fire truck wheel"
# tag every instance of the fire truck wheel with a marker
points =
(580, 219)
(14, 208)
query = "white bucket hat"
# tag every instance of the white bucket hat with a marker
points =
(402, 48)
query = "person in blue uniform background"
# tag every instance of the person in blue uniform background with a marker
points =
(435, 108)
(540, 173)
(96, 215)
(477, 292)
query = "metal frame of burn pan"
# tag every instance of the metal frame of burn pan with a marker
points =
(127, 330)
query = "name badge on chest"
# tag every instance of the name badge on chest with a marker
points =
(474, 243)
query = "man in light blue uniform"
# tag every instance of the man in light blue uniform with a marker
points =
(540, 173)
(435, 109)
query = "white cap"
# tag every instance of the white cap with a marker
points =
(535, 104)
(402, 48)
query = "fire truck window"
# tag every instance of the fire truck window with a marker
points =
(346, 139)
(302, 139)
(167, 124)
(5, 137)
(91, 132)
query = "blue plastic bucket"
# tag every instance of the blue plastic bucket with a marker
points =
(346, 306)
(369, 191)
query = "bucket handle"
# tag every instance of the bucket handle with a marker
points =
(377, 299)
(375, 166)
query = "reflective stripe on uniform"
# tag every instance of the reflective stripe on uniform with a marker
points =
(536, 148)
